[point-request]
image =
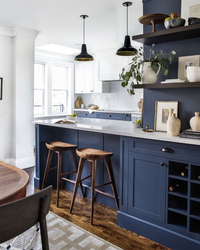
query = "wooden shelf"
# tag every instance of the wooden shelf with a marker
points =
(168, 85)
(174, 34)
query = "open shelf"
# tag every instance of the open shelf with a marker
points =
(168, 85)
(175, 34)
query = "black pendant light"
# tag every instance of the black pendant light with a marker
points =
(127, 49)
(83, 56)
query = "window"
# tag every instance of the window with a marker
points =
(38, 88)
(59, 89)
(50, 88)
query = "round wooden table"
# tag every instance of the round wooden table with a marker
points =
(13, 183)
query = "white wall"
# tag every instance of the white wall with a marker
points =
(16, 108)
(6, 114)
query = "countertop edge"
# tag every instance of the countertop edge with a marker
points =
(122, 128)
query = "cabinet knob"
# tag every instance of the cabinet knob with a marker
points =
(167, 150)
(109, 115)
(162, 164)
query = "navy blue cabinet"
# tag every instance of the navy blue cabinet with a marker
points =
(105, 115)
(146, 186)
(160, 191)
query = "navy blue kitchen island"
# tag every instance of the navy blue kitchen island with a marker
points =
(145, 166)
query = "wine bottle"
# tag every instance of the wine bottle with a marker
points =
(184, 172)
(174, 188)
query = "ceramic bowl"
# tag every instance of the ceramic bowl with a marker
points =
(136, 125)
(174, 23)
(72, 118)
(193, 20)
(193, 77)
(193, 69)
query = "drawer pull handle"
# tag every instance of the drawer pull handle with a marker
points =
(162, 164)
(109, 115)
(167, 150)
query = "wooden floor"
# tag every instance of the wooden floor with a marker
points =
(104, 220)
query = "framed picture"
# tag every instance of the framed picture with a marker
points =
(185, 61)
(190, 9)
(162, 111)
(1, 88)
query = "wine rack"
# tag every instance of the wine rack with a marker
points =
(183, 202)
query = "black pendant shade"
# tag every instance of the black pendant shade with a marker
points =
(127, 49)
(83, 56)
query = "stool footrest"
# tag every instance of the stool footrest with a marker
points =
(86, 177)
(65, 179)
(72, 172)
(107, 183)
(53, 168)
(101, 192)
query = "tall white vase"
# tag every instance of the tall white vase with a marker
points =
(195, 122)
(148, 74)
(173, 125)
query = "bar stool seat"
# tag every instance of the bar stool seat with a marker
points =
(58, 147)
(92, 156)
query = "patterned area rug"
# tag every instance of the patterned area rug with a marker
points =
(63, 235)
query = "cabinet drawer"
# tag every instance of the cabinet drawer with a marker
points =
(111, 116)
(165, 149)
(86, 114)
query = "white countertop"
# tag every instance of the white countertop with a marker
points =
(112, 111)
(115, 127)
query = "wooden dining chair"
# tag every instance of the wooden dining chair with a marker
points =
(18, 216)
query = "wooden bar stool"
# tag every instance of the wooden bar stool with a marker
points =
(92, 155)
(58, 147)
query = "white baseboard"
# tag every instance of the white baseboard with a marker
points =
(22, 163)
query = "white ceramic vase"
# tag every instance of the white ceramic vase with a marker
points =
(173, 125)
(195, 122)
(148, 74)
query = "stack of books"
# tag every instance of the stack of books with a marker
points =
(189, 133)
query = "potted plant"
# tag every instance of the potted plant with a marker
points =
(134, 71)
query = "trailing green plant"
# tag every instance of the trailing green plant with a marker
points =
(132, 73)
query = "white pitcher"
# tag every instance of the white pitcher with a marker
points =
(148, 74)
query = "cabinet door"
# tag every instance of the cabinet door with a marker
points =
(79, 78)
(146, 186)
(89, 77)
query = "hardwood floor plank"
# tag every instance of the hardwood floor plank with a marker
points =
(105, 220)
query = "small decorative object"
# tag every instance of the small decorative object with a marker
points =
(174, 21)
(184, 62)
(173, 125)
(148, 74)
(136, 123)
(133, 71)
(78, 102)
(193, 20)
(193, 74)
(162, 113)
(195, 122)
(147, 129)
(153, 19)
(140, 104)
(1, 88)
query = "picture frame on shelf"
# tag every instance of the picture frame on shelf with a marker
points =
(185, 61)
(162, 111)
(1, 88)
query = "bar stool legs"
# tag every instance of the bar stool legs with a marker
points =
(92, 155)
(78, 180)
(59, 147)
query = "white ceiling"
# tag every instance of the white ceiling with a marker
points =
(59, 21)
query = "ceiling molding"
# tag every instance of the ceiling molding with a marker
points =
(9, 31)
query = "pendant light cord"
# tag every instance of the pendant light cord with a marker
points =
(127, 19)
(83, 29)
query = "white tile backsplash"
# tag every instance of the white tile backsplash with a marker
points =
(117, 99)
